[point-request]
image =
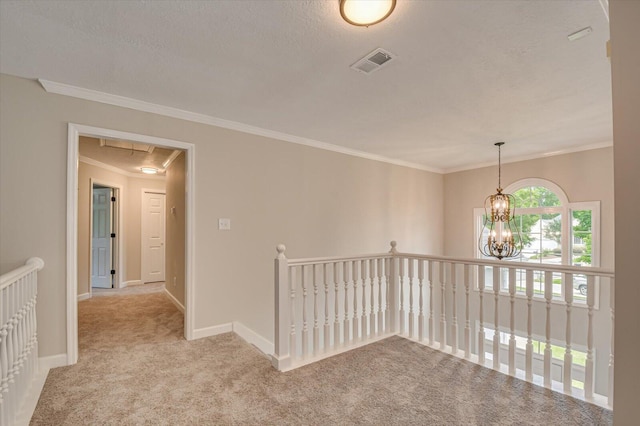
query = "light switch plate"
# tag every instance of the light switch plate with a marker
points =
(224, 224)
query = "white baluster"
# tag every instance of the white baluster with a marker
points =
(421, 301)
(411, 313)
(372, 311)
(380, 311)
(454, 325)
(327, 327)
(3, 346)
(467, 319)
(481, 278)
(345, 324)
(336, 321)
(431, 320)
(363, 316)
(316, 328)
(293, 347)
(548, 295)
(496, 321)
(387, 289)
(10, 337)
(612, 303)
(305, 325)
(443, 301)
(356, 319)
(512, 321)
(395, 285)
(589, 365)
(568, 356)
(402, 314)
(529, 348)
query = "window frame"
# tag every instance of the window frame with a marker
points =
(565, 209)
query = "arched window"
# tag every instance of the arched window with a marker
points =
(554, 230)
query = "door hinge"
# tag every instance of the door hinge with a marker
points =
(113, 272)
(113, 198)
(113, 235)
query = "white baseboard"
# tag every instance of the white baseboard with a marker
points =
(199, 333)
(53, 361)
(175, 301)
(30, 400)
(253, 338)
(84, 296)
(130, 283)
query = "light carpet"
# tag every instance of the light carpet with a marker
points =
(136, 369)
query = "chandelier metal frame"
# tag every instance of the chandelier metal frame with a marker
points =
(503, 239)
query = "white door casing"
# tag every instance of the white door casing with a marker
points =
(73, 155)
(101, 238)
(153, 236)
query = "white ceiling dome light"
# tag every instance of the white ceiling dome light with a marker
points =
(366, 12)
(149, 170)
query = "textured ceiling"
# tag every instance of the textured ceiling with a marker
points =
(467, 73)
(125, 159)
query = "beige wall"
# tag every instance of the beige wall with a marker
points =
(175, 236)
(318, 203)
(625, 34)
(131, 199)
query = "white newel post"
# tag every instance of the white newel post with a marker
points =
(282, 357)
(394, 296)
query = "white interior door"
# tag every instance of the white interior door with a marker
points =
(101, 238)
(153, 234)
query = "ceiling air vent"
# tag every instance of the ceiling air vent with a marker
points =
(373, 61)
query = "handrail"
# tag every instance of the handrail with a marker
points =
(576, 270)
(321, 260)
(33, 263)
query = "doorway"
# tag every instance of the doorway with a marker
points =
(104, 235)
(73, 157)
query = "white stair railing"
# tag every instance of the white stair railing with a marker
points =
(18, 337)
(357, 307)
(533, 308)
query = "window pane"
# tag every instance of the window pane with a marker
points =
(581, 237)
(535, 196)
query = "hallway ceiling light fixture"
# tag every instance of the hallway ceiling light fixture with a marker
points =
(500, 237)
(366, 12)
(149, 170)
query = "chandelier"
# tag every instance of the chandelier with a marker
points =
(500, 237)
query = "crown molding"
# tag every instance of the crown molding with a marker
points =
(532, 157)
(138, 105)
(118, 170)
